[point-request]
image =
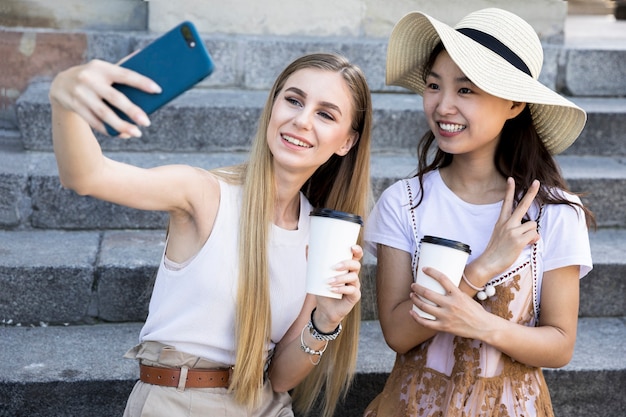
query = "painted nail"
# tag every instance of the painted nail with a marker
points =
(143, 120)
(134, 131)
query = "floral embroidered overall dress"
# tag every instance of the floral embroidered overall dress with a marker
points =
(451, 376)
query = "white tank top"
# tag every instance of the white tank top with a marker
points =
(193, 308)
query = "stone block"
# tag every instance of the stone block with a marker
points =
(264, 58)
(602, 291)
(369, 309)
(109, 46)
(351, 18)
(57, 207)
(225, 52)
(268, 17)
(40, 282)
(75, 14)
(549, 74)
(30, 54)
(13, 189)
(596, 73)
(125, 272)
(60, 399)
(605, 197)
(34, 116)
(603, 132)
(398, 122)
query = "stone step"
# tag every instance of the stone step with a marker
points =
(79, 370)
(208, 120)
(75, 277)
(33, 196)
(252, 61)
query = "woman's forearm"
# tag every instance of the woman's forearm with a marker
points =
(77, 151)
(292, 364)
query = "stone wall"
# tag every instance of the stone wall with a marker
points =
(38, 38)
(356, 18)
(75, 14)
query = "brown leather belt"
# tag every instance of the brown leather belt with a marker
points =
(196, 378)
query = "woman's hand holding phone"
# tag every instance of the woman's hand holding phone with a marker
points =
(115, 99)
(176, 61)
(85, 90)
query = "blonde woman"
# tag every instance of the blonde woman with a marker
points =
(230, 328)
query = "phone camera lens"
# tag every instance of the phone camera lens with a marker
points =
(188, 36)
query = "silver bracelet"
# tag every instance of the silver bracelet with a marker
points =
(312, 352)
(319, 335)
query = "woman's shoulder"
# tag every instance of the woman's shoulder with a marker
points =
(562, 216)
(572, 204)
(413, 185)
(209, 182)
(567, 195)
(394, 194)
(404, 191)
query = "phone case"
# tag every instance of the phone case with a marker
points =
(176, 61)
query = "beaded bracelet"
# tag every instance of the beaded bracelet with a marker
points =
(318, 334)
(312, 352)
(484, 292)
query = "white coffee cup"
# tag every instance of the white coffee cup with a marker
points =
(447, 256)
(332, 235)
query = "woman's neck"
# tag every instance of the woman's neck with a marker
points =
(475, 182)
(287, 202)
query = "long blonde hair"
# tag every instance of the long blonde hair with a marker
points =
(342, 183)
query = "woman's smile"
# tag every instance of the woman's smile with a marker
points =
(295, 141)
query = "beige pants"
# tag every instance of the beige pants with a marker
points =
(148, 400)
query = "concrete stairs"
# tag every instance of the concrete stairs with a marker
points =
(76, 273)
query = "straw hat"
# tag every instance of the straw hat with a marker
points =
(500, 53)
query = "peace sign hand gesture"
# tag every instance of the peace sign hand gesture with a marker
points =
(511, 234)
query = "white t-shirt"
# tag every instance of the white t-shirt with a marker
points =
(564, 234)
(193, 308)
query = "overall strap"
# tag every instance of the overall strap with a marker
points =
(414, 224)
(533, 267)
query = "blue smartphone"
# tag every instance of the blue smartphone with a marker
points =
(176, 61)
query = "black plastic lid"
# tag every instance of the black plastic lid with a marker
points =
(336, 214)
(447, 242)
